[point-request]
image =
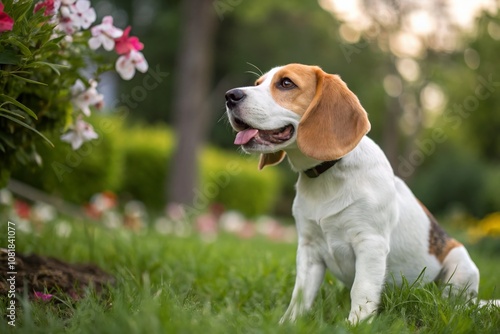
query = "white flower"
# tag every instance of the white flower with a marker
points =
(76, 15)
(63, 229)
(66, 23)
(5, 197)
(104, 34)
(43, 213)
(81, 132)
(78, 88)
(84, 13)
(84, 97)
(127, 64)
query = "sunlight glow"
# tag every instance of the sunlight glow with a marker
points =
(406, 44)
(494, 30)
(472, 58)
(412, 26)
(349, 34)
(432, 98)
(409, 121)
(393, 85)
(421, 23)
(408, 68)
(464, 13)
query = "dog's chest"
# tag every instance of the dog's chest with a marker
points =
(331, 239)
(329, 216)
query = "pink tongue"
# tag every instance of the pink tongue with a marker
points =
(245, 136)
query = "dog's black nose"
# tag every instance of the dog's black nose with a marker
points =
(234, 96)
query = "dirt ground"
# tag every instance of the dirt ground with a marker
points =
(42, 274)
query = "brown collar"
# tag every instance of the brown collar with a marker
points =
(320, 169)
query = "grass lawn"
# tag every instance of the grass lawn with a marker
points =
(168, 284)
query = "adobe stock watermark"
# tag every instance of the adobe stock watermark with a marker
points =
(222, 7)
(348, 50)
(11, 273)
(125, 103)
(453, 118)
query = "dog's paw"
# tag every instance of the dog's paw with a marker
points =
(283, 320)
(360, 314)
(288, 317)
(292, 313)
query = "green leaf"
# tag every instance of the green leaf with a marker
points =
(54, 67)
(15, 120)
(11, 112)
(21, 9)
(57, 39)
(15, 72)
(19, 105)
(29, 80)
(24, 49)
(9, 57)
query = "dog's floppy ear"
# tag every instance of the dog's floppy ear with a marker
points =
(335, 121)
(270, 159)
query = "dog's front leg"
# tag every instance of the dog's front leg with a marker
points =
(371, 257)
(310, 275)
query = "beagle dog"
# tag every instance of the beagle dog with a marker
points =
(353, 215)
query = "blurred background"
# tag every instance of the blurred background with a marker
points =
(427, 72)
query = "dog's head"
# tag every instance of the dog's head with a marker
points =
(296, 106)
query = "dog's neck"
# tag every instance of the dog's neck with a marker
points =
(299, 161)
(320, 169)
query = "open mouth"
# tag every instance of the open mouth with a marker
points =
(263, 137)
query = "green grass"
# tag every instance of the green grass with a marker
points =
(167, 284)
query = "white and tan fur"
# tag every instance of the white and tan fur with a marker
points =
(357, 219)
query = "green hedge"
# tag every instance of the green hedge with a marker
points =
(235, 181)
(491, 195)
(227, 178)
(134, 162)
(454, 177)
(147, 151)
(77, 175)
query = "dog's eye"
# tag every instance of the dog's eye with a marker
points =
(286, 83)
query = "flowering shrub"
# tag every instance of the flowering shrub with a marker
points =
(489, 226)
(49, 71)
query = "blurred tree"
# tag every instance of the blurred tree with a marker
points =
(191, 105)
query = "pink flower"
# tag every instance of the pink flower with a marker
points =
(125, 44)
(83, 98)
(100, 203)
(80, 133)
(104, 34)
(127, 64)
(51, 7)
(6, 22)
(22, 209)
(43, 296)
